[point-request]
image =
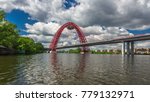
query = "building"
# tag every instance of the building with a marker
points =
(142, 51)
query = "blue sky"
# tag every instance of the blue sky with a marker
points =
(139, 31)
(20, 18)
(70, 3)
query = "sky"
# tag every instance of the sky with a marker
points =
(99, 19)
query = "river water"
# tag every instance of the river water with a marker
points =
(74, 69)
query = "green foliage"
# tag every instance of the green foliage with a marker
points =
(93, 52)
(2, 15)
(9, 37)
(74, 50)
(78, 50)
(39, 47)
(27, 45)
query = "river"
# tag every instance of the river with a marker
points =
(74, 69)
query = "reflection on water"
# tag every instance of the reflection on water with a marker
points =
(74, 69)
(62, 76)
(7, 69)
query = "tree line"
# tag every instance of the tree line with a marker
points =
(10, 38)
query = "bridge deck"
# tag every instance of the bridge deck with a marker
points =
(118, 40)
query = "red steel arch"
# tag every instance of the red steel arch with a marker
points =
(55, 39)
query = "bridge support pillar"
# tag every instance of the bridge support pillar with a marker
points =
(128, 48)
(123, 48)
(132, 48)
(52, 51)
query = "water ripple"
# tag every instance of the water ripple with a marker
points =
(74, 69)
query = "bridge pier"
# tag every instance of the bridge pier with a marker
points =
(129, 47)
(132, 48)
(52, 51)
(123, 48)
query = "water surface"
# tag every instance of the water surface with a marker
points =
(75, 69)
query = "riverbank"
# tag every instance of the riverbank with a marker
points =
(78, 51)
(101, 53)
(6, 51)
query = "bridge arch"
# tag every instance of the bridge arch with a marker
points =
(56, 37)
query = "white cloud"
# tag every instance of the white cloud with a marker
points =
(99, 19)
(42, 30)
(124, 13)
(143, 44)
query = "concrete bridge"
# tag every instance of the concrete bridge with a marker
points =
(127, 43)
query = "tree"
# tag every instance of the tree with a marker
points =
(9, 37)
(78, 50)
(39, 47)
(26, 45)
(8, 32)
(2, 15)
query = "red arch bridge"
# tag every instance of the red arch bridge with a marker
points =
(127, 42)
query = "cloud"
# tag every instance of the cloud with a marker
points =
(42, 30)
(143, 44)
(129, 14)
(99, 19)
(40, 10)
